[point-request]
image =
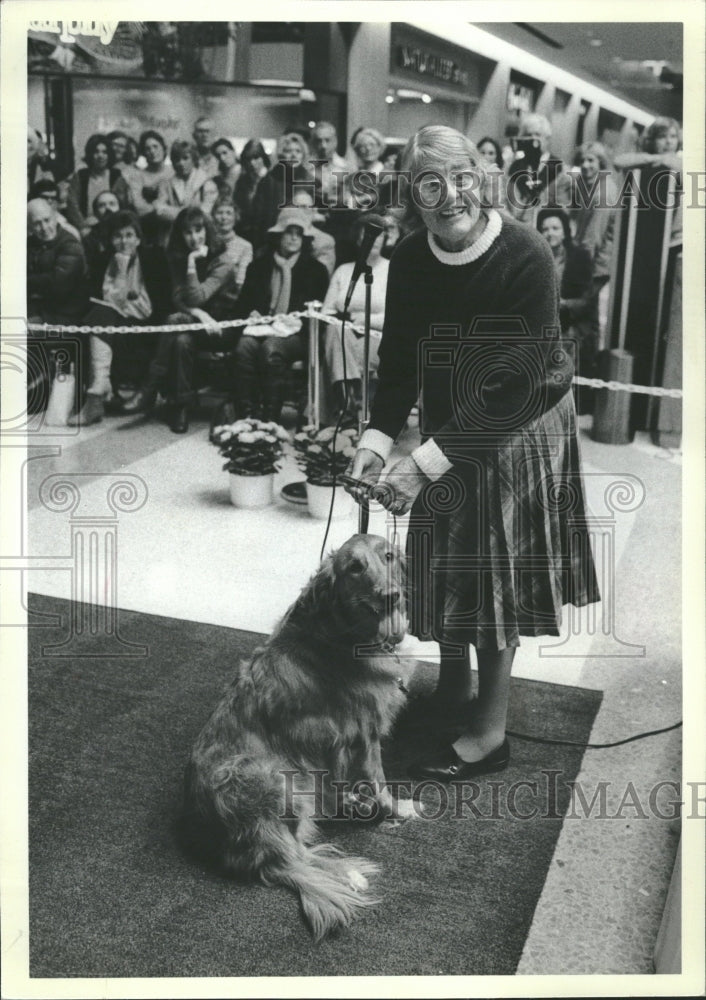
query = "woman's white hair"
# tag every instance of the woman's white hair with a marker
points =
(435, 147)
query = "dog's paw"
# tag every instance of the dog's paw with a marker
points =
(399, 811)
(357, 881)
(404, 809)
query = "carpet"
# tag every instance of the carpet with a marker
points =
(112, 894)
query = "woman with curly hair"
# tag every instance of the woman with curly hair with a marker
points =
(202, 274)
(100, 174)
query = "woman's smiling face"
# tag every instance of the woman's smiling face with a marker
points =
(448, 200)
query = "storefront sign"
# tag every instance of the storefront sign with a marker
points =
(69, 30)
(417, 60)
(419, 57)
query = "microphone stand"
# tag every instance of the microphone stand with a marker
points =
(364, 417)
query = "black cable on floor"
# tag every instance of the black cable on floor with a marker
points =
(593, 746)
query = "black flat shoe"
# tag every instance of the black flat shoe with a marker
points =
(179, 420)
(448, 766)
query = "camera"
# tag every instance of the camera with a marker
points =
(494, 374)
(531, 150)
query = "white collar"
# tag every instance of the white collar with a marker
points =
(476, 249)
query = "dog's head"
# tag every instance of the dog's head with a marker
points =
(367, 587)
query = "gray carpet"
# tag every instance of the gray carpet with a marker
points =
(112, 894)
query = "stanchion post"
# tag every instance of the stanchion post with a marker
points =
(313, 400)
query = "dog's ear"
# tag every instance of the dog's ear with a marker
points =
(318, 593)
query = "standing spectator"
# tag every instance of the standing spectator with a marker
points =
(201, 278)
(48, 189)
(256, 195)
(87, 182)
(492, 155)
(203, 137)
(179, 190)
(144, 184)
(133, 289)
(490, 150)
(292, 168)
(228, 166)
(593, 212)
(368, 145)
(56, 268)
(282, 280)
(390, 159)
(536, 177)
(121, 148)
(578, 303)
(331, 174)
(39, 166)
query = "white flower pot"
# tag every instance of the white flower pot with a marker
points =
(319, 500)
(251, 491)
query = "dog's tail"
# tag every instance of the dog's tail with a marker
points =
(332, 887)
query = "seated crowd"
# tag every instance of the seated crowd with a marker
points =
(142, 236)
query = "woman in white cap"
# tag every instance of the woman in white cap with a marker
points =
(277, 283)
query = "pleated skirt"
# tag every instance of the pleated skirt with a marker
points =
(500, 543)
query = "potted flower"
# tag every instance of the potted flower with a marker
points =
(253, 449)
(319, 456)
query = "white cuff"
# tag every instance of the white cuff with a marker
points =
(431, 459)
(378, 442)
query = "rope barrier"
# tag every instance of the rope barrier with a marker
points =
(312, 313)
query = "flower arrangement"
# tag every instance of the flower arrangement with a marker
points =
(318, 455)
(251, 447)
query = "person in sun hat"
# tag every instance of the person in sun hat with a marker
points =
(279, 282)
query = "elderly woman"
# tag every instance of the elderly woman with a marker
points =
(497, 541)
(98, 175)
(281, 281)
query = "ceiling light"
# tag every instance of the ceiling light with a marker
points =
(595, 42)
(426, 99)
(390, 99)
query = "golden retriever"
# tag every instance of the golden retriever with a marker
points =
(298, 728)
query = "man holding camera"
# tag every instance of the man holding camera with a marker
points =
(536, 177)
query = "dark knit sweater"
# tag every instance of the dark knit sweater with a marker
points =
(497, 364)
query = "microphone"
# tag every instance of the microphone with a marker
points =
(374, 227)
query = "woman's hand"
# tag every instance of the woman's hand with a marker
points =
(208, 321)
(366, 466)
(400, 486)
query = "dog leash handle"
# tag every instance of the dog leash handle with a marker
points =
(363, 516)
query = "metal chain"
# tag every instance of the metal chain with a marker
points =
(165, 328)
(312, 313)
(645, 390)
